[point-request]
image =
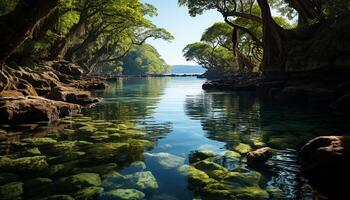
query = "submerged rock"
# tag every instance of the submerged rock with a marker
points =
(58, 197)
(259, 156)
(166, 160)
(11, 191)
(108, 151)
(243, 148)
(196, 177)
(142, 180)
(79, 181)
(246, 179)
(23, 165)
(212, 169)
(232, 155)
(200, 155)
(123, 194)
(88, 193)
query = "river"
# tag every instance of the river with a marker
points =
(138, 142)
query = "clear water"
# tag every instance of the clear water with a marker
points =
(177, 118)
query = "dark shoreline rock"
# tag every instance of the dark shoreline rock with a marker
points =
(325, 163)
(259, 156)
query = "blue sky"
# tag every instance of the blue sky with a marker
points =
(185, 29)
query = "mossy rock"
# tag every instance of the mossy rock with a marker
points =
(60, 147)
(250, 193)
(243, 148)
(132, 133)
(217, 190)
(66, 157)
(136, 167)
(88, 193)
(88, 129)
(27, 152)
(275, 193)
(200, 155)
(79, 181)
(37, 182)
(123, 194)
(214, 170)
(58, 197)
(112, 130)
(11, 191)
(99, 138)
(99, 169)
(54, 169)
(108, 151)
(142, 180)
(23, 165)
(232, 155)
(39, 141)
(113, 180)
(243, 179)
(196, 177)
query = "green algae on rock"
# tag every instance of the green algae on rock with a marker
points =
(243, 148)
(88, 193)
(23, 165)
(79, 181)
(11, 191)
(123, 194)
(142, 180)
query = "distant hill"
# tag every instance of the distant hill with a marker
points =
(187, 69)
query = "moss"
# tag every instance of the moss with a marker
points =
(66, 157)
(113, 180)
(197, 177)
(123, 194)
(133, 133)
(232, 155)
(87, 193)
(217, 190)
(214, 170)
(54, 169)
(142, 180)
(200, 155)
(23, 165)
(79, 181)
(11, 190)
(107, 151)
(39, 141)
(99, 169)
(112, 130)
(243, 179)
(243, 148)
(250, 193)
(88, 129)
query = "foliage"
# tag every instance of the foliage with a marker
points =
(143, 60)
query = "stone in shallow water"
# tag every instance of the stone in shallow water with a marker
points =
(232, 155)
(166, 160)
(39, 141)
(197, 178)
(136, 167)
(250, 193)
(99, 169)
(11, 190)
(243, 148)
(200, 155)
(113, 180)
(23, 165)
(88, 129)
(142, 180)
(214, 170)
(88, 193)
(123, 194)
(243, 179)
(107, 151)
(79, 181)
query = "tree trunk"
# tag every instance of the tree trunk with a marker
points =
(274, 59)
(60, 47)
(18, 25)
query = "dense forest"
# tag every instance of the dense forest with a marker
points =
(70, 128)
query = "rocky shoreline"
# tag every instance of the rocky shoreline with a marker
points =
(325, 89)
(52, 90)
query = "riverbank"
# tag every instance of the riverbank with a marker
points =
(46, 92)
(327, 89)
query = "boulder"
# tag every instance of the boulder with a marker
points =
(88, 193)
(325, 163)
(11, 191)
(142, 180)
(21, 110)
(33, 164)
(243, 148)
(166, 160)
(259, 156)
(79, 181)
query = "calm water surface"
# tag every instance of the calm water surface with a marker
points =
(162, 121)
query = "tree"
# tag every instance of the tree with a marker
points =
(144, 59)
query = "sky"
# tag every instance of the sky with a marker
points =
(182, 26)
